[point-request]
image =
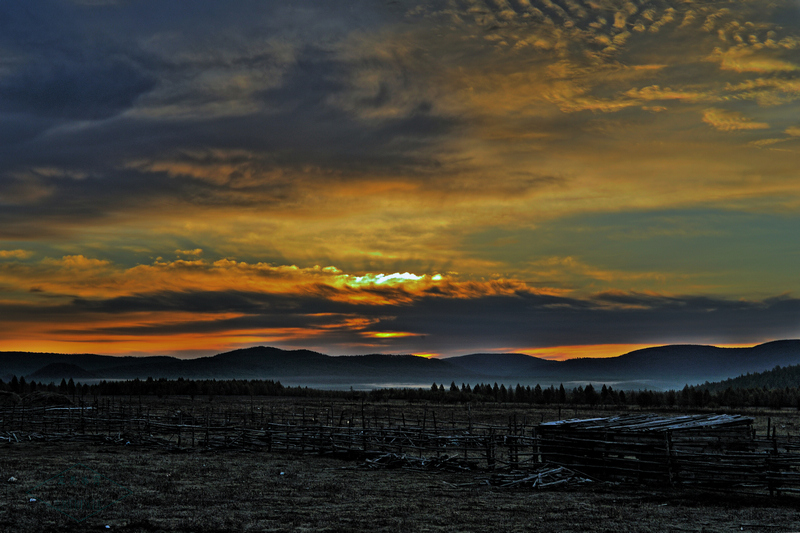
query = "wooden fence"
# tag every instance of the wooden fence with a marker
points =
(719, 451)
(726, 457)
(338, 430)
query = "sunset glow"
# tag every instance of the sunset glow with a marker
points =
(561, 353)
(438, 177)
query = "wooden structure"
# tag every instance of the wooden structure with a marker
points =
(708, 451)
(718, 451)
(345, 429)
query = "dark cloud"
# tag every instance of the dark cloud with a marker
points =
(447, 324)
(311, 80)
(517, 321)
(63, 64)
(74, 63)
(85, 88)
(299, 125)
(18, 129)
(45, 206)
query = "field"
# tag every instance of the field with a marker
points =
(204, 490)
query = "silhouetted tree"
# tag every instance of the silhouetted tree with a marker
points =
(562, 394)
(590, 395)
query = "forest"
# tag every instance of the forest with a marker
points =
(777, 388)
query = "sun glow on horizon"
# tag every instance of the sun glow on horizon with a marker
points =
(563, 353)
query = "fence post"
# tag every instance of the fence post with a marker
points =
(668, 443)
(490, 449)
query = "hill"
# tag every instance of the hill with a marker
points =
(506, 365)
(57, 371)
(777, 378)
(675, 365)
(661, 367)
(302, 367)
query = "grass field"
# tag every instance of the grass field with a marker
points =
(206, 491)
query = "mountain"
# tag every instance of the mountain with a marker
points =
(676, 365)
(301, 367)
(57, 371)
(506, 364)
(661, 367)
(25, 363)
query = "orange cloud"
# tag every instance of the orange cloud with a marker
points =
(743, 59)
(91, 278)
(654, 92)
(15, 254)
(731, 121)
(195, 252)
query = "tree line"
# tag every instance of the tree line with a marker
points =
(702, 396)
(690, 396)
(777, 378)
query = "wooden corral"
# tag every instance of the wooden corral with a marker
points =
(350, 429)
(705, 451)
(720, 451)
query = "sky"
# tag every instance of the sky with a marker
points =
(562, 178)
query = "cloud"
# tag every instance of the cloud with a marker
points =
(85, 89)
(767, 91)
(742, 59)
(281, 119)
(254, 140)
(442, 324)
(15, 254)
(654, 92)
(93, 279)
(723, 120)
(196, 252)
(93, 302)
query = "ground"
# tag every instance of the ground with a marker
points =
(210, 491)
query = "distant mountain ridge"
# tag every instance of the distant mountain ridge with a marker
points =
(669, 366)
(661, 366)
(57, 371)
